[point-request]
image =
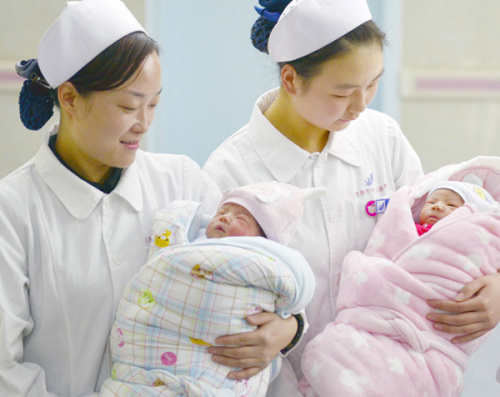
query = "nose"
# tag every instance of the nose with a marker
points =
(437, 207)
(224, 218)
(143, 121)
(358, 102)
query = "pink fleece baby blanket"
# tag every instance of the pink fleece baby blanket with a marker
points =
(381, 343)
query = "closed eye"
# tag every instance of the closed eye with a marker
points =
(128, 109)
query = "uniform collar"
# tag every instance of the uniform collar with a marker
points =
(78, 196)
(285, 159)
(345, 145)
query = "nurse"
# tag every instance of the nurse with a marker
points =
(75, 220)
(315, 130)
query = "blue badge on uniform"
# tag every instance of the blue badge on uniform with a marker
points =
(376, 207)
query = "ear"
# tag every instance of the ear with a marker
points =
(290, 80)
(67, 95)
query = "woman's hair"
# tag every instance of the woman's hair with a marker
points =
(309, 66)
(109, 70)
(115, 65)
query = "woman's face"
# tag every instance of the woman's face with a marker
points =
(109, 125)
(342, 90)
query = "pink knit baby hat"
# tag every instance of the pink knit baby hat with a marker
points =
(277, 207)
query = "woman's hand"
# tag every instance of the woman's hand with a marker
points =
(475, 311)
(253, 351)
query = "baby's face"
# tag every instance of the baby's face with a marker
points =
(440, 203)
(232, 220)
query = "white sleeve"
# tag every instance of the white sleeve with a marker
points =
(17, 378)
(198, 186)
(226, 165)
(406, 164)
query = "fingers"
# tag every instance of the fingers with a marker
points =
(469, 337)
(470, 290)
(275, 332)
(467, 331)
(460, 318)
(247, 358)
(464, 328)
(242, 339)
(261, 318)
(243, 356)
(447, 306)
(240, 357)
(476, 304)
(244, 373)
(474, 312)
(468, 325)
(253, 351)
(254, 339)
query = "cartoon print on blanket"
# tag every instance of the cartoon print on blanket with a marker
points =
(380, 343)
(190, 293)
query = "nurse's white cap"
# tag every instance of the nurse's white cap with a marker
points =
(83, 30)
(306, 26)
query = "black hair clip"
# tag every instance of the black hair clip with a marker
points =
(30, 70)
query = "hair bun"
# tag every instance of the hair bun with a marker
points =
(262, 27)
(261, 30)
(36, 105)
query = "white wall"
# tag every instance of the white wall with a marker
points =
(452, 42)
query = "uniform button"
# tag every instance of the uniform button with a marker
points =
(333, 216)
(118, 259)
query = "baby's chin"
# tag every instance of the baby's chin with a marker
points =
(214, 234)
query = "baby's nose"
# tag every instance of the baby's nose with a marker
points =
(224, 218)
(437, 206)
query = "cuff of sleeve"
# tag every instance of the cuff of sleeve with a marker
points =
(301, 330)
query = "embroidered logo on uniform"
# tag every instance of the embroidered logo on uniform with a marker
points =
(370, 188)
(369, 180)
(367, 192)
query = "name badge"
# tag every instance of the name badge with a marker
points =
(376, 207)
